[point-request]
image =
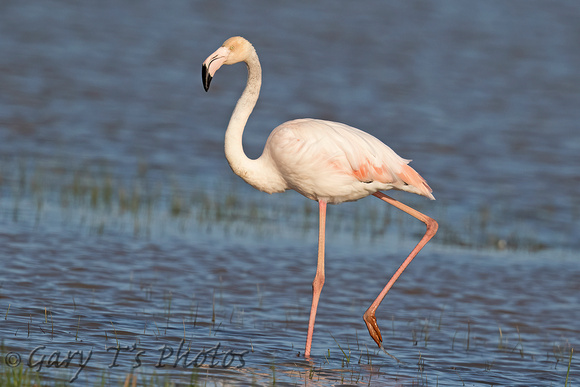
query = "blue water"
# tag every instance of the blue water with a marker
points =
(117, 205)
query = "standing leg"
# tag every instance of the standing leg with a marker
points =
(319, 278)
(432, 226)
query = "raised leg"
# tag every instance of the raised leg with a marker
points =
(432, 226)
(319, 278)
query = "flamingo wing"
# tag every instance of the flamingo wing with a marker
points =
(336, 162)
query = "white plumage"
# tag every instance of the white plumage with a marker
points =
(334, 162)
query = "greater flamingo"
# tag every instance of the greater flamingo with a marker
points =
(325, 161)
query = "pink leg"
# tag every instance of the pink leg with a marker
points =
(432, 226)
(319, 278)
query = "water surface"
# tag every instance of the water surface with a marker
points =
(121, 222)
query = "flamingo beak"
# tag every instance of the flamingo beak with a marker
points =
(212, 64)
(205, 77)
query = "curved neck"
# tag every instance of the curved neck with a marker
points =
(235, 155)
(260, 173)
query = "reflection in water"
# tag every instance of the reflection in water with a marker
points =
(121, 223)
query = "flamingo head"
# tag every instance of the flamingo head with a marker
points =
(234, 50)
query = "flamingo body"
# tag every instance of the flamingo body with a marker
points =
(325, 161)
(334, 162)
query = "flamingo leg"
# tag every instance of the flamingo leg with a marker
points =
(319, 277)
(432, 226)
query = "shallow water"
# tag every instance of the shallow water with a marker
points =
(121, 223)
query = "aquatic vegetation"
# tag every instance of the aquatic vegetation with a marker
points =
(93, 199)
(569, 364)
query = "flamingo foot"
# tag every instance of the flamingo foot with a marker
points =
(373, 328)
(375, 332)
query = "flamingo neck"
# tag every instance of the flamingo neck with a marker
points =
(259, 173)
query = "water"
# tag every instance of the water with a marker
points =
(121, 223)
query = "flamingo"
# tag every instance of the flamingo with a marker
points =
(328, 162)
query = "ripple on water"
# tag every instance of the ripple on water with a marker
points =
(121, 223)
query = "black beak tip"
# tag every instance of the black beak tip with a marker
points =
(205, 77)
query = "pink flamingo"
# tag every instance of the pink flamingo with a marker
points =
(325, 161)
